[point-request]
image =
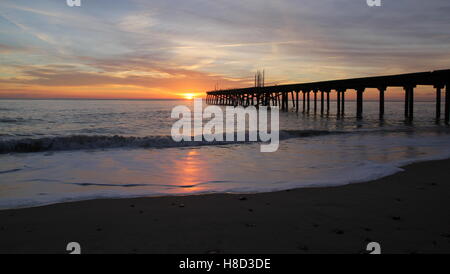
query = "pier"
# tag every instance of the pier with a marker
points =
(279, 95)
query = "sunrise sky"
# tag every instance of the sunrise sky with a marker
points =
(169, 48)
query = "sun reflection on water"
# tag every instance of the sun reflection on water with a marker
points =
(191, 171)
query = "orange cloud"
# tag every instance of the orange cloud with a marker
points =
(110, 79)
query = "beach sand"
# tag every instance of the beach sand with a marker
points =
(408, 212)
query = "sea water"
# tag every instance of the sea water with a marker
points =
(54, 151)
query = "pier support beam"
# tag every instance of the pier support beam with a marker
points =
(438, 102)
(406, 103)
(309, 101)
(293, 99)
(328, 101)
(359, 102)
(382, 91)
(338, 102)
(304, 101)
(322, 100)
(296, 101)
(315, 101)
(447, 103)
(286, 101)
(409, 102)
(343, 102)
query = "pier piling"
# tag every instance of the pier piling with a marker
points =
(343, 102)
(447, 103)
(315, 101)
(309, 101)
(438, 102)
(304, 101)
(338, 103)
(359, 102)
(411, 103)
(406, 102)
(322, 99)
(382, 90)
(328, 102)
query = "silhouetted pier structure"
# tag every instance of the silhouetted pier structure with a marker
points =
(279, 95)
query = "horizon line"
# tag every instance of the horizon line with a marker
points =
(98, 99)
(182, 99)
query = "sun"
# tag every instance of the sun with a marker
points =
(189, 96)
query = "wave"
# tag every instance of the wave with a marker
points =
(10, 171)
(11, 120)
(87, 142)
(18, 120)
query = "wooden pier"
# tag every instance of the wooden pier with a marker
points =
(279, 95)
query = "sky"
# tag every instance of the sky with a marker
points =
(169, 48)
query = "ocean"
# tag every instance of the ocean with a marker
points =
(55, 151)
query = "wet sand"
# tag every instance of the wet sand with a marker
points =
(408, 212)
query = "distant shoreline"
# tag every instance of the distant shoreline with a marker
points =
(406, 213)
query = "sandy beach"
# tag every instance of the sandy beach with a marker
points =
(406, 213)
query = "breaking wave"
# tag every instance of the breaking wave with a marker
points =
(86, 142)
(11, 120)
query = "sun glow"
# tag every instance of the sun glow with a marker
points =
(189, 96)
